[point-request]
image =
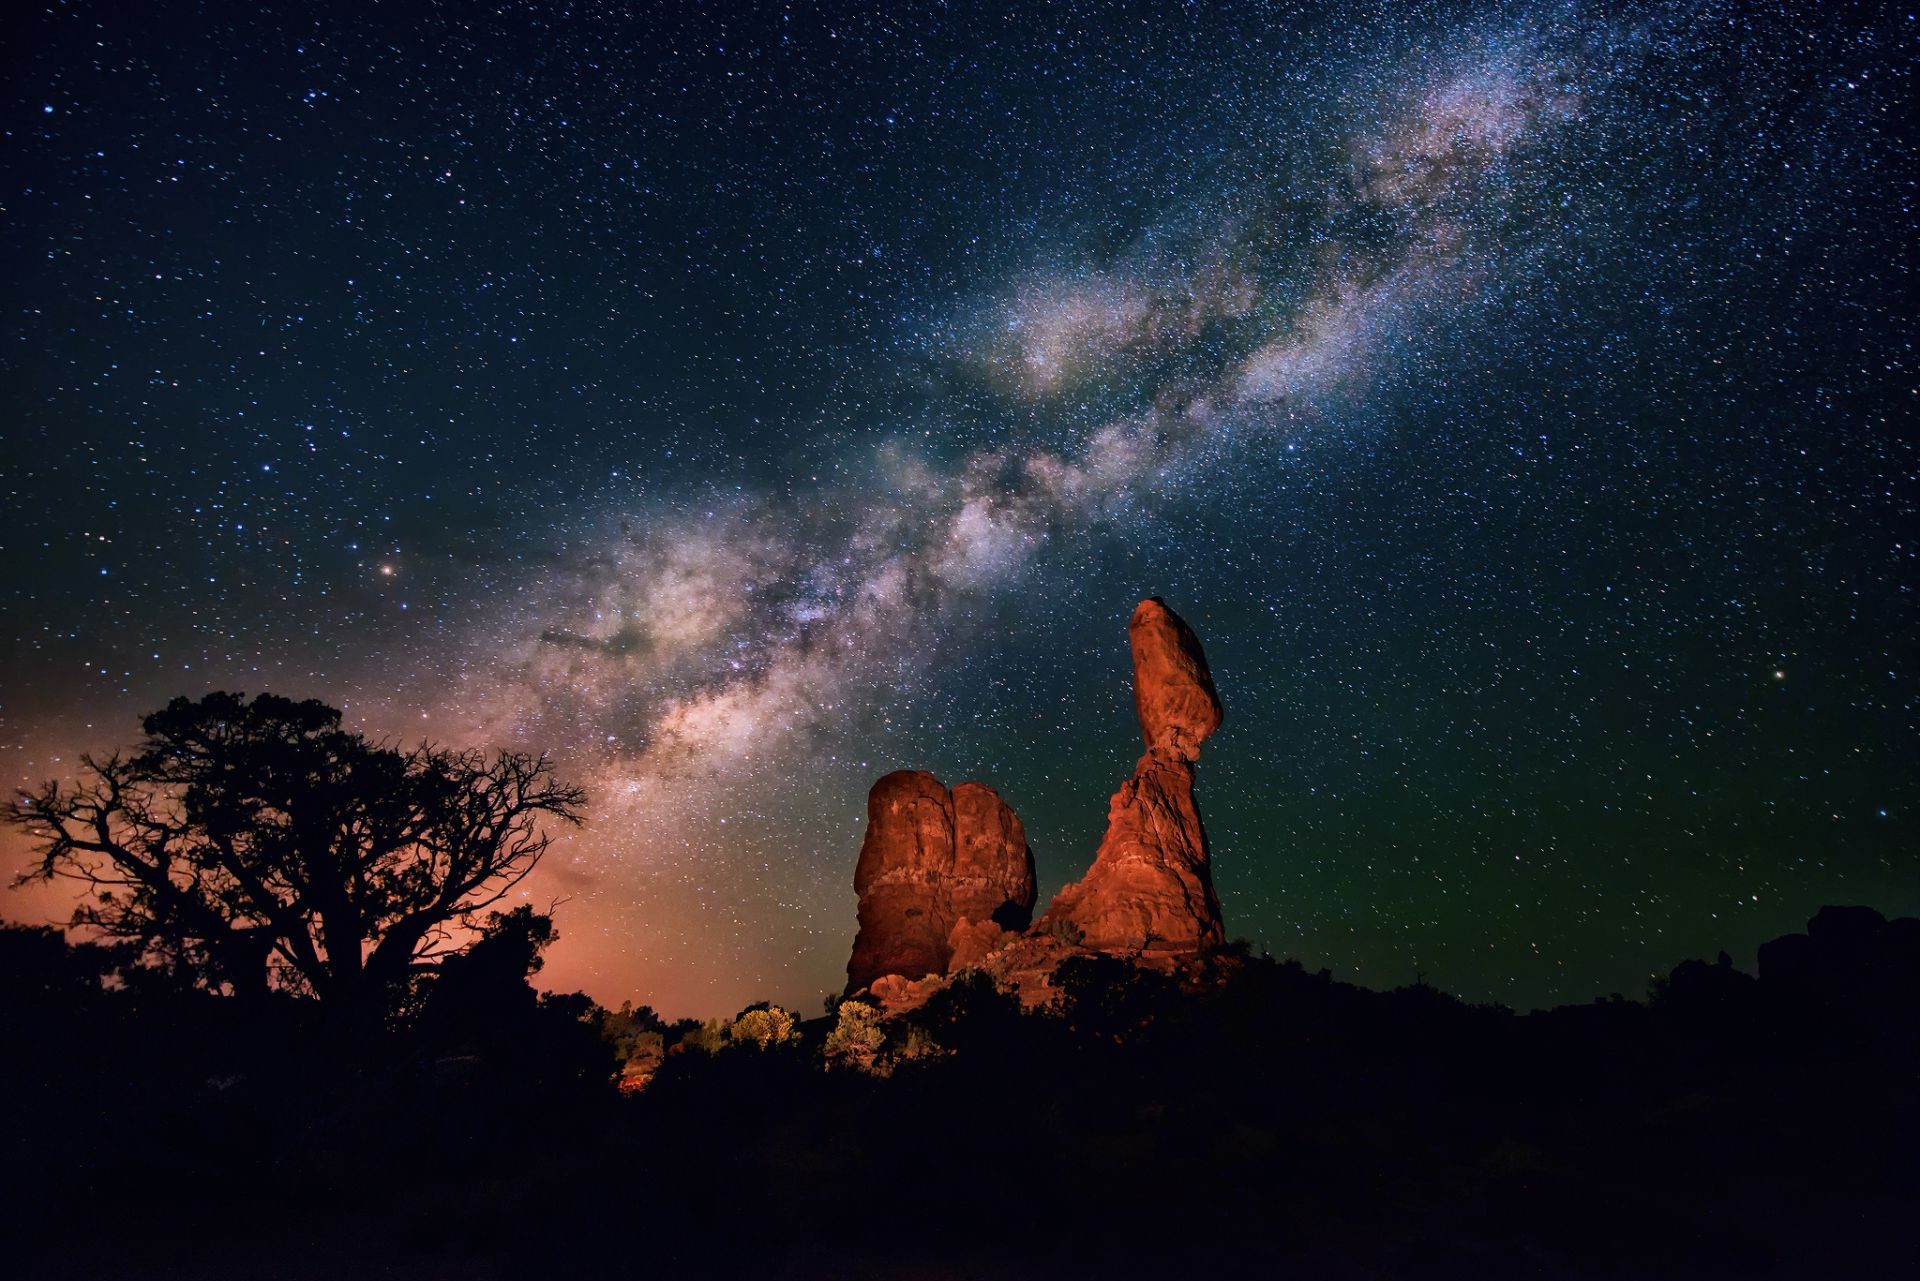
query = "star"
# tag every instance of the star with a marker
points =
(1489, 389)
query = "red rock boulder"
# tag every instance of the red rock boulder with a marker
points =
(940, 871)
(1173, 691)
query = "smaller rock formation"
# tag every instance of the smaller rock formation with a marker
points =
(944, 878)
(1150, 890)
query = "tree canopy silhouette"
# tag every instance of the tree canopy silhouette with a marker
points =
(257, 845)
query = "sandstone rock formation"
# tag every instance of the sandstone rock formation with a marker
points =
(1173, 691)
(946, 880)
(944, 877)
(1150, 890)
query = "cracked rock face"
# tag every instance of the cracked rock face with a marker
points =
(941, 873)
(1150, 889)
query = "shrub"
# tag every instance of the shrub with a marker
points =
(763, 1028)
(857, 1038)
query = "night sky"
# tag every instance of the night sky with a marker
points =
(1519, 406)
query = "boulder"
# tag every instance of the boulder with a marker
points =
(931, 859)
(971, 942)
(1173, 691)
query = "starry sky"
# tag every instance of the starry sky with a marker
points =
(1518, 400)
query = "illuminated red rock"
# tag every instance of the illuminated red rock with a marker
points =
(971, 942)
(907, 850)
(931, 860)
(1150, 889)
(946, 880)
(1172, 689)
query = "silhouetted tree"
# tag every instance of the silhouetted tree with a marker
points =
(492, 973)
(257, 844)
(480, 1006)
(39, 967)
(970, 1013)
(1112, 999)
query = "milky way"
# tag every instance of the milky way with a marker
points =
(1513, 404)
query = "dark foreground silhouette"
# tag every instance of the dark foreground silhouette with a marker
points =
(1271, 1122)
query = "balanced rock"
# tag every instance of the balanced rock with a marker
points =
(1173, 691)
(1150, 890)
(940, 873)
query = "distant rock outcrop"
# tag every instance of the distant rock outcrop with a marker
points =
(942, 875)
(1847, 954)
(1150, 890)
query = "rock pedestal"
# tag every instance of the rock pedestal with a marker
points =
(1150, 890)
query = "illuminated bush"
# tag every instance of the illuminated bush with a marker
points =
(857, 1039)
(763, 1028)
(709, 1038)
(647, 1052)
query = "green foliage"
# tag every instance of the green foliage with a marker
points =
(857, 1039)
(917, 1045)
(707, 1038)
(640, 1057)
(970, 1011)
(623, 1029)
(763, 1028)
